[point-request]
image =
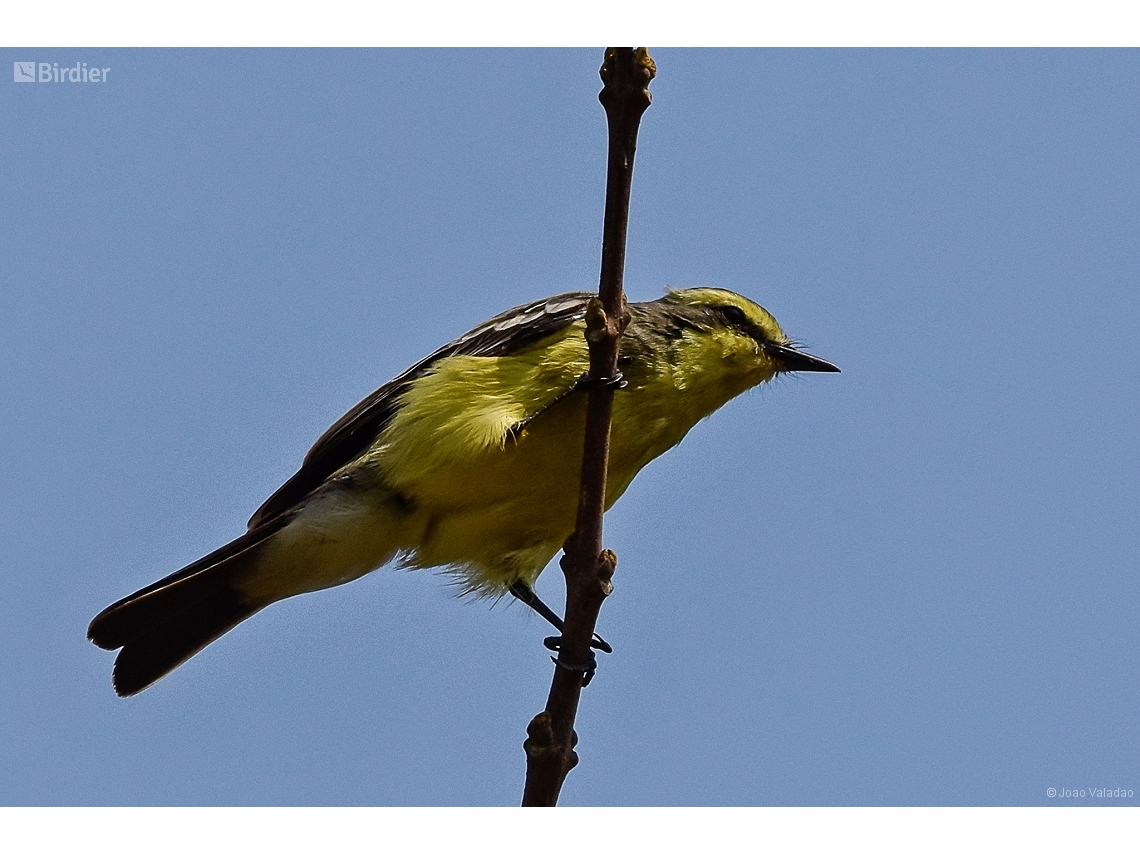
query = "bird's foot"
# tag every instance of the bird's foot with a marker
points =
(586, 669)
(586, 382)
(526, 594)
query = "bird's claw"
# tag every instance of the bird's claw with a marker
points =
(554, 642)
(586, 382)
(586, 669)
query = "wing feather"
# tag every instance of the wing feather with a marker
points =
(357, 430)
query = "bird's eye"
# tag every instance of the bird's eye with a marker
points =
(732, 314)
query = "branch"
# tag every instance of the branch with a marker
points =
(551, 739)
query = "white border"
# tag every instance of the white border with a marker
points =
(502, 831)
(511, 23)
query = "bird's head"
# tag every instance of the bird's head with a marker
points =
(726, 333)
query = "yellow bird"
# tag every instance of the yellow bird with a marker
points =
(469, 460)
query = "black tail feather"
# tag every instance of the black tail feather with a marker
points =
(158, 651)
(148, 607)
(164, 624)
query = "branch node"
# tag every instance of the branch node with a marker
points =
(539, 742)
(569, 551)
(607, 564)
(544, 759)
(625, 74)
(600, 326)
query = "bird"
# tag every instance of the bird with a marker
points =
(468, 461)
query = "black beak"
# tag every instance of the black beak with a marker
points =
(790, 359)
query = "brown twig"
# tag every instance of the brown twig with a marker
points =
(551, 739)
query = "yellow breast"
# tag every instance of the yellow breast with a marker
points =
(498, 501)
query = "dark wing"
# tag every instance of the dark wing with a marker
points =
(356, 430)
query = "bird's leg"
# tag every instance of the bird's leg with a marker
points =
(525, 593)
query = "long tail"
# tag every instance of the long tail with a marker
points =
(164, 624)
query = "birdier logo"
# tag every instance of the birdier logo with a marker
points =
(51, 72)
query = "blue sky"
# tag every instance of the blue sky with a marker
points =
(910, 583)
